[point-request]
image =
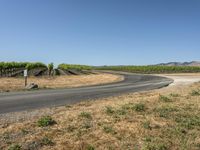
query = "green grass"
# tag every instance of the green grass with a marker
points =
(109, 129)
(46, 141)
(165, 111)
(188, 121)
(195, 92)
(164, 98)
(86, 115)
(45, 121)
(174, 95)
(15, 147)
(90, 147)
(86, 125)
(140, 107)
(109, 110)
(147, 125)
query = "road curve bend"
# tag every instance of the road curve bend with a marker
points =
(21, 101)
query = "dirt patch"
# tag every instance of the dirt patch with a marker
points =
(13, 84)
(183, 78)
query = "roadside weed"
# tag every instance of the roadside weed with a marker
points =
(45, 121)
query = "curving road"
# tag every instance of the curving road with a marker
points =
(20, 101)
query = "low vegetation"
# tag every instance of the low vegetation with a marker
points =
(15, 147)
(12, 68)
(165, 119)
(71, 66)
(85, 115)
(45, 121)
(152, 69)
(195, 92)
(50, 68)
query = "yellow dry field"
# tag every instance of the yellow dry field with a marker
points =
(14, 84)
(164, 119)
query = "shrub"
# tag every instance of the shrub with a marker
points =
(45, 121)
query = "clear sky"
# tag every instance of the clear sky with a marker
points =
(100, 32)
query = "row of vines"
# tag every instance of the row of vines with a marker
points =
(10, 68)
(77, 67)
(152, 69)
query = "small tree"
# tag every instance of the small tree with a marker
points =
(50, 68)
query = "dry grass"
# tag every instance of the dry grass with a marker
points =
(163, 119)
(12, 84)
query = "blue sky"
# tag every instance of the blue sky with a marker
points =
(100, 32)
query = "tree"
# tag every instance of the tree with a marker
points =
(50, 68)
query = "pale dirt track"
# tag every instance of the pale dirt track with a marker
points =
(183, 78)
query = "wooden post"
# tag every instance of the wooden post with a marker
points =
(25, 76)
(25, 81)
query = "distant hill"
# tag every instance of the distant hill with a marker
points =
(192, 63)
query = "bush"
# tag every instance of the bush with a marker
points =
(45, 121)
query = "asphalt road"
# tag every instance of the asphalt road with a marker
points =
(20, 101)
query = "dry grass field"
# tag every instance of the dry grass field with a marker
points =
(14, 84)
(163, 119)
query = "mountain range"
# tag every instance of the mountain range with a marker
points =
(192, 63)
